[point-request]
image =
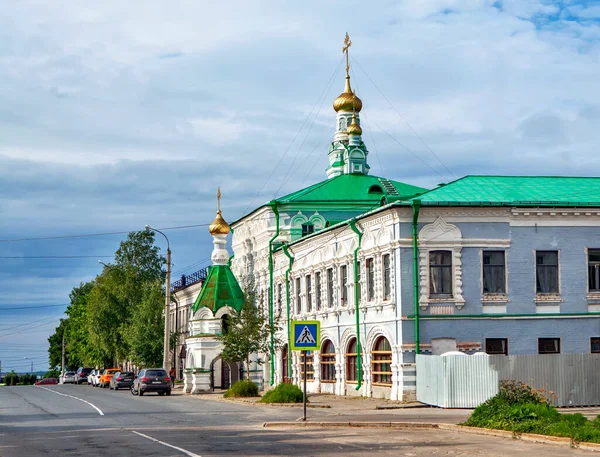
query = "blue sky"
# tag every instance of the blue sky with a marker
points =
(132, 113)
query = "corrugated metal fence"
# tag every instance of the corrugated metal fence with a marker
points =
(465, 382)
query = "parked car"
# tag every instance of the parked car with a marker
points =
(151, 380)
(47, 381)
(82, 374)
(70, 377)
(96, 377)
(105, 377)
(90, 380)
(122, 379)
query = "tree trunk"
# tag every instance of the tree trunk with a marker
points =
(248, 369)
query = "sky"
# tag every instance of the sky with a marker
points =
(117, 114)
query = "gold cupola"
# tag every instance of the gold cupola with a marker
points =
(347, 100)
(354, 128)
(219, 226)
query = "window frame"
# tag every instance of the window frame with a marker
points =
(504, 342)
(386, 267)
(297, 287)
(441, 267)
(490, 268)
(596, 275)
(370, 271)
(327, 362)
(318, 297)
(597, 343)
(308, 288)
(310, 365)
(330, 287)
(381, 366)
(344, 285)
(351, 361)
(557, 345)
(547, 267)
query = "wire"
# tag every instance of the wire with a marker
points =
(30, 307)
(56, 257)
(87, 235)
(50, 319)
(405, 121)
(34, 326)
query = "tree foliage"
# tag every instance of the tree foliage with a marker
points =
(126, 299)
(248, 332)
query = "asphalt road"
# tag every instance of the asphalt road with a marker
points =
(78, 420)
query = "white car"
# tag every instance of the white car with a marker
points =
(96, 378)
(90, 378)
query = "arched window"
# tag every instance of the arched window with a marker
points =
(381, 362)
(310, 367)
(327, 362)
(352, 361)
(225, 323)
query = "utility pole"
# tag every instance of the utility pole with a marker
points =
(62, 374)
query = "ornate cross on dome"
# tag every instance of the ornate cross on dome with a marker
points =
(219, 198)
(347, 44)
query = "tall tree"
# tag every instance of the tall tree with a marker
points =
(146, 345)
(247, 332)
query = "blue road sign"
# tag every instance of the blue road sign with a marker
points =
(306, 335)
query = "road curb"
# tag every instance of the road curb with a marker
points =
(531, 437)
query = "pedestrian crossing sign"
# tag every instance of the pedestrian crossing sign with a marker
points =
(306, 335)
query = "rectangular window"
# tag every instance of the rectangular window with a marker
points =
(318, 290)
(546, 272)
(298, 300)
(595, 345)
(594, 270)
(387, 277)
(330, 287)
(358, 279)
(307, 229)
(440, 273)
(344, 284)
(494, 271)
(280, 297)
(370, 280)
(496, 346)
(548, 345)
(310, 367)
(308, 294)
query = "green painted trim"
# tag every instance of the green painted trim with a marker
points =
(502, 316)
(204, 335)
(415, 206)
(273, 205)
(352, 225)
(287, 304)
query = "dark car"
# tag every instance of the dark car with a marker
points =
(121, 379)
(151, 380)
(82, 374)
(47, 381)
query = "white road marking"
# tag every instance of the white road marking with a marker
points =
(191, 454)
(76, 398)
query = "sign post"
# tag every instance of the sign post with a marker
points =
(306, 337)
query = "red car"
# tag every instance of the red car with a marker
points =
(47, 381)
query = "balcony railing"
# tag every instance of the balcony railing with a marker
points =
(188, 280)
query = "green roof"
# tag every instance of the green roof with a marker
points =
(220, 289)
(356, 189)
(516, 191)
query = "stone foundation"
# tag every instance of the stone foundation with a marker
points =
(197, 383)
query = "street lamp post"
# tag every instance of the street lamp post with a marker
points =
(166, 359)
(27, 358)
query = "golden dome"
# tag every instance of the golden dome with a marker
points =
(354, 128)
(347, 100)
(219, 226)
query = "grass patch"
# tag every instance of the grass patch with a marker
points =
(519, 408)
(242, 389)
(283, 393)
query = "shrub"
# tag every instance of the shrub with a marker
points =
(11, 379)
(513, 392)
(242, 389)
(283, 393)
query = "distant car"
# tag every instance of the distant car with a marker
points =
(70, 377)
(90, 379)
(96, 377)
(105, 377)
(82, 374)
(47, 381)
(122, 379)
(151, 380)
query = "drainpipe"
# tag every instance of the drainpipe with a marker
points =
(287, 302)
(273, 205)
(352, 225)
(416, 205)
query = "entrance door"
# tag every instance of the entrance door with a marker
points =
(225, 375)
(284, 365)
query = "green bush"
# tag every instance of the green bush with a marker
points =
(519, 408)
(242, 389)
(11, 379)
(283, 393)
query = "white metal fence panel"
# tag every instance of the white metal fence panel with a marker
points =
(465, 382)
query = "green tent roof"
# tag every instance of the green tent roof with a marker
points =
(220, 289)
(352, 188)
(516, 191)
